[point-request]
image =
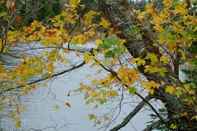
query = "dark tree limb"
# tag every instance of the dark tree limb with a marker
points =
(44, 78)
(127, 119)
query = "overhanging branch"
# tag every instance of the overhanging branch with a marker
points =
(131, 114)
(44, 78)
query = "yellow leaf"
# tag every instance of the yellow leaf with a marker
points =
(79, 39)
(165, 59)
(52, 56)
(194, 117)
(18, 124)
(35, 25)
(177, 27)
(74, 3)
(158, 28)
(170, 89)
(155, 69)
(183, 54)
(150, 9)
(112, 93)
(12, 36)
(141, 15)
(150, 86)
(87, 57)
(93, 93)
(139, 61)
(89, 16)
(167, 3)
(153, 58)
(98, 42)
(128, 75)
(50, 68)
(173, 126)
(181, 9)
(51, 36)
(104, 23)
(172, 46)
(89, 34)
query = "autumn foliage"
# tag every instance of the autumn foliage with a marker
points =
(151, 47)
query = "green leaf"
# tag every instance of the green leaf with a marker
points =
(3, 14)
(132, 90)
(92, 117)
(109, 53)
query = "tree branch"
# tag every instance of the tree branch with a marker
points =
(127, 86)
(44, 78)
(131, 114)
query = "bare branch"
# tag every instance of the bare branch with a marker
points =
(131, 114)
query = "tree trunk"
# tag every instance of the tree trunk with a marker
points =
(121, 17)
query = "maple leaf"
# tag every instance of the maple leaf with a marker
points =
(104, 23)
(150, 86)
